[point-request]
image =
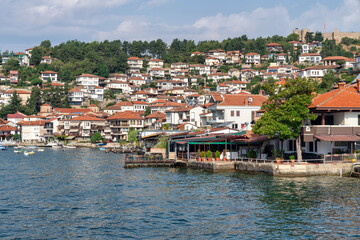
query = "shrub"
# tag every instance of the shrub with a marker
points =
(209, 154)
(251, 154)
(202, 154)
(217, 154)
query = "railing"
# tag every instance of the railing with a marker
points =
(147, 160)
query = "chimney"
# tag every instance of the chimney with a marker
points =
(358, 84)
(341, 85)
(261, 92)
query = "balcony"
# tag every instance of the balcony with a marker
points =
(310, 131)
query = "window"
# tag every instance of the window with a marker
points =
(291, 146)
(358, 119)
(232, 113)
(238, 113)
(311, 146)
(234, 126)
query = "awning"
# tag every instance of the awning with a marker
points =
(70, 137)
(337, 138)
(181, 142)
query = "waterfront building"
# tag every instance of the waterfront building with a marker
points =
(121, 122)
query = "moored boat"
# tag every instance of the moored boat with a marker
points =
(101, 149)
(18, 151)
(40, 149)
(26, 153)
(68, 146)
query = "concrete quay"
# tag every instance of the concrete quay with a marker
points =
(274, 169)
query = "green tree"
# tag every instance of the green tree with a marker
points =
(309, 37)
(292, 37)
(96, 137)
(11, 64)
(318, 37)
(36, 56)
(147, 111)
(132, 135)
(286, 109)
(34, 101)
(45, 44)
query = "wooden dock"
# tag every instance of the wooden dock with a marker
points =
(133, 161)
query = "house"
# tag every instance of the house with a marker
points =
(337, 128)
(199, 69)
(157, 72)
(233, 57)
(312, 58)
(22, 94)
(47, 60)
(197, 54)
(234, 72)
(252, 58)
(281, 58)
(121, 122)
(317, 71)
(222, 88)
(32, 131)
(217, 53)
(118, 85)
(49, 76)
(14, 76)
(186, 114)
(219, 76)
(180, 66)
(156, 63)
(164, 106)
(135, 64)
(137, 81)
(6, 130)
(87, 80)
(336, 60)
(117, 77)
(274, 47)
(212, 61)
(140, 106)
(155, 120)
(235, 85)
(15, 118)
(81, 128)
(76, 96)
(95, 92)
(238, 111)
(306, 48)
(119, 107)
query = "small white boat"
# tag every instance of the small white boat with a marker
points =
(56, 146)
(18, 151)
(40, 149)
(26, 153)
(69, 146)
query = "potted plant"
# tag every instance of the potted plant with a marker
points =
(251, 154)
(277, 155)
(202, 155)
(217, 155)
(151, 156)
(209, 155)
(224, 157)
(292, 158)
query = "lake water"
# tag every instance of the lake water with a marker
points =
(86, 193)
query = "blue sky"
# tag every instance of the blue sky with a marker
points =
(25, 23)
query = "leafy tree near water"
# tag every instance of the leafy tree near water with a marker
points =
(96, 137)
(286, 109)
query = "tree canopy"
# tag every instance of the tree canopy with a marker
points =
(286, 109)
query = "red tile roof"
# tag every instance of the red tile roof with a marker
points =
(242, 100)
(86, 118)
(127, 115)
(33, 123)
(156, 115)
(7, 128)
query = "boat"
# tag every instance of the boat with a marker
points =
(40, 149)
(56, 146)
(101, 149)
(101, 144)
(18, 151)
(3, 148)
(69, 146)
(31, 146)
(26, 153)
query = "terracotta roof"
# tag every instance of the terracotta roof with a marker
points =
(86, 118)
(18, 91)
(72, 110)
(126, 116)
(140, 102)
(242, 100)
(156, 115)
(337, 58)
(88, 75)
(32, 123)
(16, 115)
(75, 90)
(217, 97)
(309, 54)
(134, 58)
(7, 128)
(156, 60)
(252, 53)
(338, 98)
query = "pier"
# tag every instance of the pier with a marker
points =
(133, 161)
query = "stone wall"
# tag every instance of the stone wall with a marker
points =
(336, 35)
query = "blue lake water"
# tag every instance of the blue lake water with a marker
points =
(86, 193)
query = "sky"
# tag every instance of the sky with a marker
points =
(25, 23)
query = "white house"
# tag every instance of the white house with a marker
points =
(135, 64)
(87, 80)
(312, 58)
(156, 63)
(238, 111)
(49, 75)
(252, 58)
(76, 96)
